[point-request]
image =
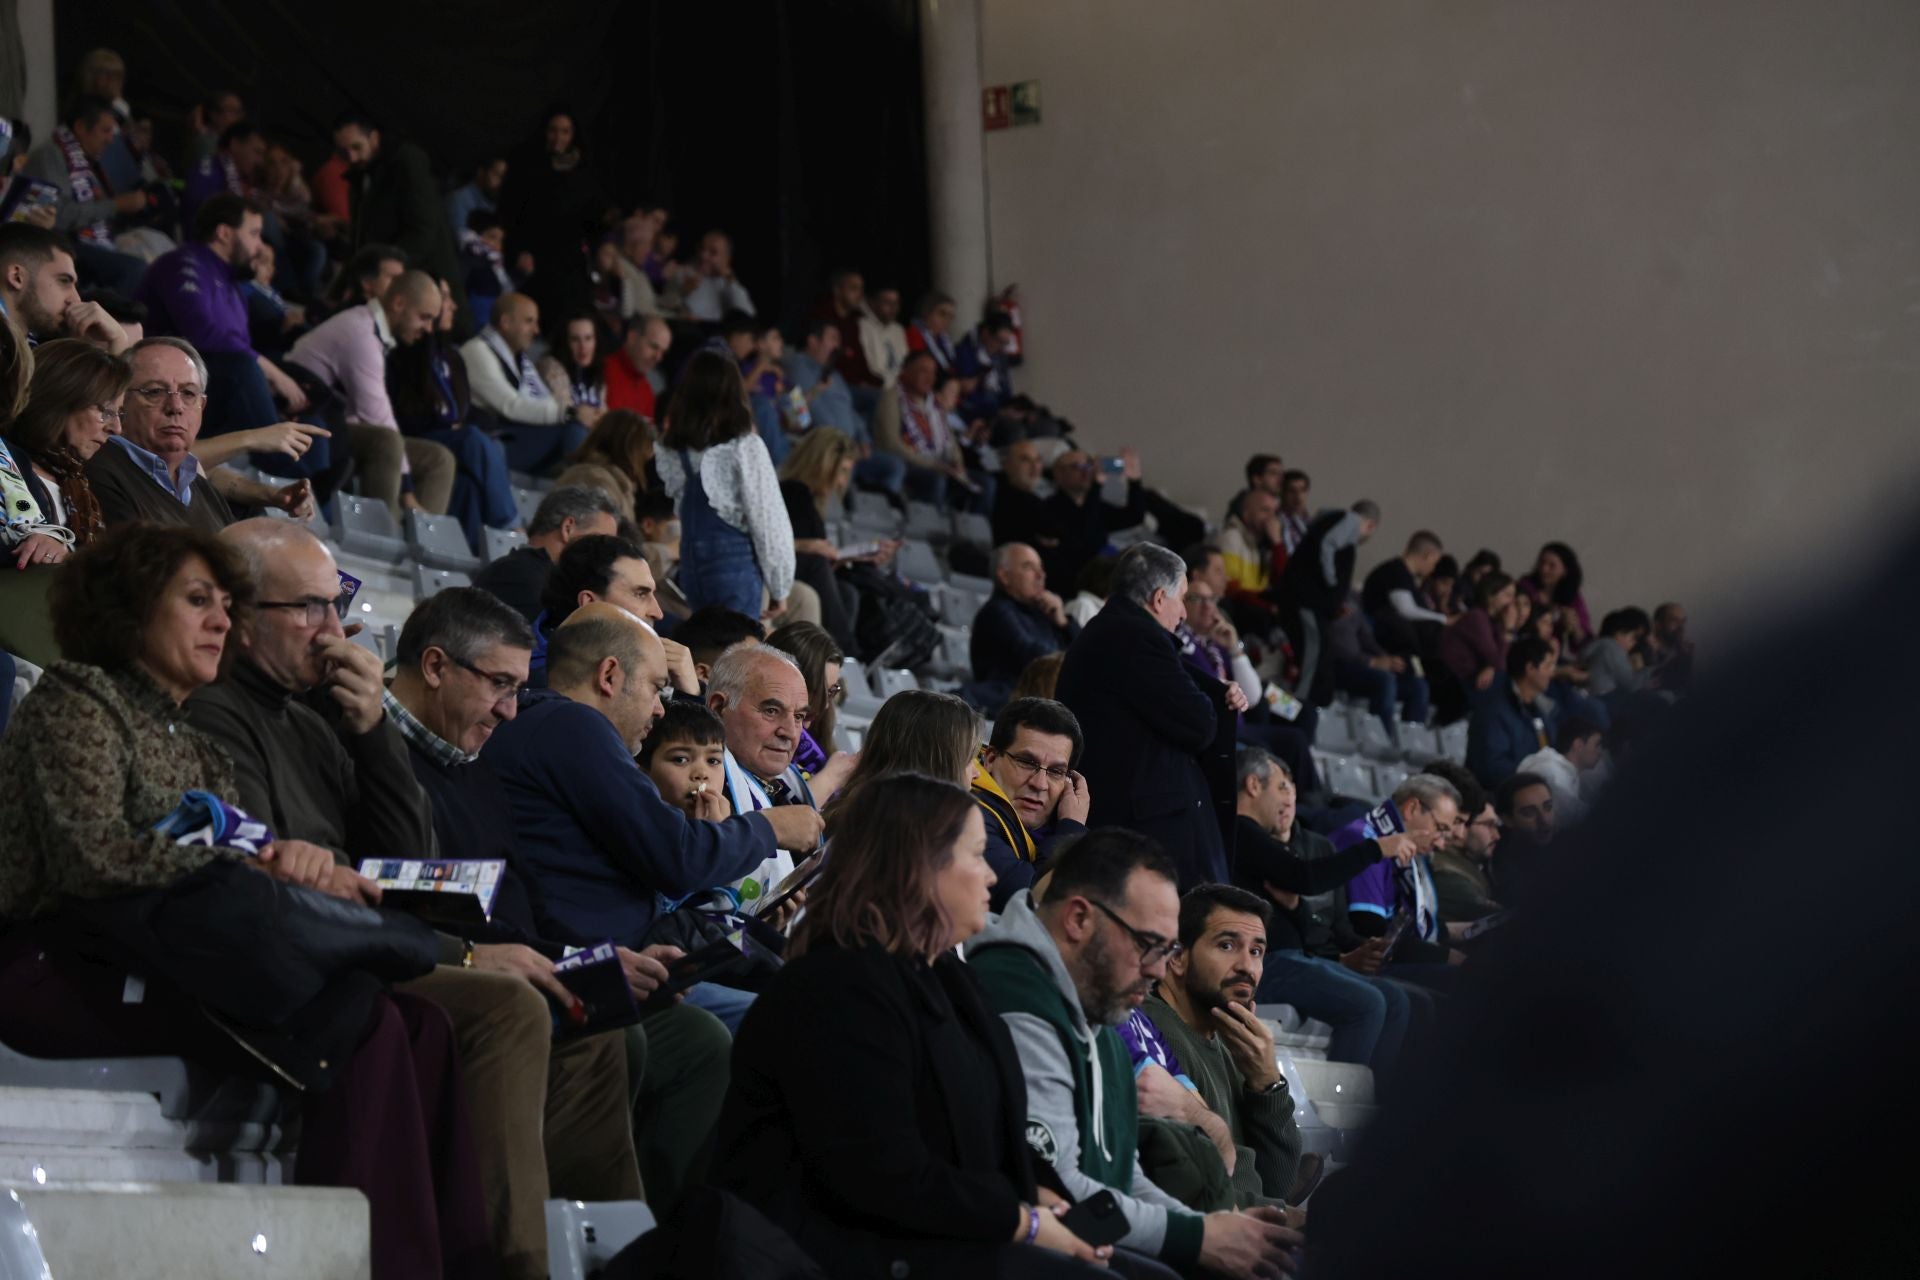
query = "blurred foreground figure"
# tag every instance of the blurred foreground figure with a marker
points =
(1685, 1055)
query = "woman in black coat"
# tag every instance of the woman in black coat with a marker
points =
(877, 1110)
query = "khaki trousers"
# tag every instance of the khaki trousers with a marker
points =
(376, 457)
(550, 1119)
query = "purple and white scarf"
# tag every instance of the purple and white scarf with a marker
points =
(86, 183)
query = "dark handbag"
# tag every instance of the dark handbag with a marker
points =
(289, 971)
(690, 928)
(895, 621)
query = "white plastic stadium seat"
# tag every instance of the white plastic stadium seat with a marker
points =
(439, 541)
(365, 527)
(582, 1237)
(500, 542)
(891, 680)
(429, 582)
(917, 563)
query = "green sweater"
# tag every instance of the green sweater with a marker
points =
(1262, 1124)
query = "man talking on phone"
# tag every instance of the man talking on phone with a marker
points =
(1029, 792)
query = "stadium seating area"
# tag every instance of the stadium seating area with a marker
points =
(1424, 719)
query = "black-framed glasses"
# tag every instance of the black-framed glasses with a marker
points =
(315, 608)
(503, 685)
(1030, 766)
(1154, 949)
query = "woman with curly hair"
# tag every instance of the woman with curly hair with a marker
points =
(101, 768)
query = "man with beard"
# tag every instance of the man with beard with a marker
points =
(193, 292)
(1204, 1012)
(1062, 974)
(396, 200)
(39, 288)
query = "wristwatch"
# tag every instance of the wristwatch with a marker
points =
(1279, 1083)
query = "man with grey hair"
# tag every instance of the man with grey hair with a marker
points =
(151, 472)
(462, 657)
(761, 699)
(1428, 806)
(1159, 731)
(590, 827)
(345, 784)
(519, 577)
(1020, 621)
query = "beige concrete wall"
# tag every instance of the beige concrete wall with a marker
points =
(1638, 274)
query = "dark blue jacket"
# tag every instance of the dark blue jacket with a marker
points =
(1503, 732)
(1007, 635)
(597, 843)
(1159, 753)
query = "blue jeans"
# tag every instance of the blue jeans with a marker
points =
(483, 487)
(1385, 692)
(1368, 1015)
(729, 1004)
(766, 420)
(886, 472)
(534, 448)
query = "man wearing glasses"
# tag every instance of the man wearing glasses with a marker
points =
(1062, 974)
(1462, 869)
(1028, 791)
(150, 472)
(302, 714)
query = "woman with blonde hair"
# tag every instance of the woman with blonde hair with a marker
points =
(812, 480)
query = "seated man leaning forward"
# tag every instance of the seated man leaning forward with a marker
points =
(592, 829)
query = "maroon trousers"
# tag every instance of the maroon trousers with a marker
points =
(394, 1125)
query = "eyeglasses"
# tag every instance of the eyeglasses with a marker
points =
(316, 608)
(108, 414)
(504, 686)
(154, 397)
(1029, 766)
(1492, 824)
(1154, 949)
(835, 690)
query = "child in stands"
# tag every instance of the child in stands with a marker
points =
(686, 756)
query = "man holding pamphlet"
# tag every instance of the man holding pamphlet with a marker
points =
(301, 714)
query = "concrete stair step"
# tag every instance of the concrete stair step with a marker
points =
(1336, 1082)
(191, 1231)
(105, 1135)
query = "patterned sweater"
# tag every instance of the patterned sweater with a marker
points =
(91, 760)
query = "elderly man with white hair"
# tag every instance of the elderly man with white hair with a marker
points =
(1159, 731)
(152, 471)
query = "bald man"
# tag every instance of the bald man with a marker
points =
(348, 352)
(538, 431)
(629, 370)
(550, 1118)
(592, 831)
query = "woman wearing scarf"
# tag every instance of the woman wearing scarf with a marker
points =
(72, 406)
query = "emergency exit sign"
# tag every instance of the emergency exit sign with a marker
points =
(1010, 105)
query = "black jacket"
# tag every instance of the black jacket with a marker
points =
(1159, 754)
(877, 1113)
(397, 202)
(1305, 865)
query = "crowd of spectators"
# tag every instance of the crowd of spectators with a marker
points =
(634, 713)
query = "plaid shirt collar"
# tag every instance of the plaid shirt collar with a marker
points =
(436, 747)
